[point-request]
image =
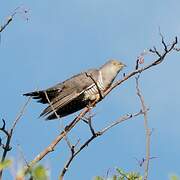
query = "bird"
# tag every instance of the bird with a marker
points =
(78, 91)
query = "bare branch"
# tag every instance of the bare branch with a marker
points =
(162, 41)
(147, 130)
(88, 121)
(120, 120)
(3, 128)
(176, 49)
(18, 10)
(52, 107)
(22, 154)
(51, 147)
(9, 134)
(154, 50)
(90, 126)
(68, 142)
(20, 114)
(94, 135)
(9, 19)
(72, 149)
(140, 70)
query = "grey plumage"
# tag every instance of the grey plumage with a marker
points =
(77, 92)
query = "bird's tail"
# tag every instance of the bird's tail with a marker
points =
(39, 95)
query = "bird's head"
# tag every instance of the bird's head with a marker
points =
(110, 70)
(116, 65)
(113, 66)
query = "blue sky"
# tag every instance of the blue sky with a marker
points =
(64, 37)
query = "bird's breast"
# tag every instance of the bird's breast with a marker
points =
(92, 93)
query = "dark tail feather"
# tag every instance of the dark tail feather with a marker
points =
(39, 95)
(52, 117)
(33, 94)
(46, 111)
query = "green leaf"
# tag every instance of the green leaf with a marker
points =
(98, 178)
(5, 164)
(114, 177)
(174, 177)
(120, 171)
(39, 173)
(120, 174)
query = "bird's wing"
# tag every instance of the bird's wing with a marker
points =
(70, 90)
(41, 96)
(56, 105)
(76, 83)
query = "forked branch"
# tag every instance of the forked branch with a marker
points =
(147, 130)
(75, 152)
(18, 10)
(6, 146)
(160, 59)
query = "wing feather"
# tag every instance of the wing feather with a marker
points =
(61, 95)
(58, 104)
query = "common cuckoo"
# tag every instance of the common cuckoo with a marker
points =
(78, 91)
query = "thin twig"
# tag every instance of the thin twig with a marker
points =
(154, 50)
(20, 114)
(162, 40)
(9, 134)
(140, 70)
(22, 154)
(3, 128)
(50, 103)
(94, 135)
(9, 19)
(18, 10)
(90, 126)
(124, 118)
(176, 49)
(147, 130)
